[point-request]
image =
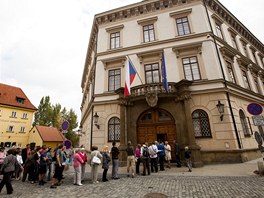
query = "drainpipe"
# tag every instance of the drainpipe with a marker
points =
(222, 70)
(93, 88)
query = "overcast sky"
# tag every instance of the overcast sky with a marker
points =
(43, 43)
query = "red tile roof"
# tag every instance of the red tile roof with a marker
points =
(50, 134)
(10, 94)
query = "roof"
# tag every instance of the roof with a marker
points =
(10, 95)
(50, 134)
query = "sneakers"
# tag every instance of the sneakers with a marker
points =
(79, 184)
(53, 186)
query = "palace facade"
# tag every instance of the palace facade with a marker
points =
(214, 69)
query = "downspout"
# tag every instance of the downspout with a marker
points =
(222, 70)
(93, 88)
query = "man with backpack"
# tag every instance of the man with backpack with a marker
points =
(145, 158)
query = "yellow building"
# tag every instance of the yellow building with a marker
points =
(16, 115)
(43, 135)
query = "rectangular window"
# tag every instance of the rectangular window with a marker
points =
(234, 43)
(183, 26)
(230, 72)
(219, 30)
(0, 112)
(20, 100)
(24, 116)
(152, 73)
(115, 40)
(148, 32)
(114, 78)
(13, 115)
(11, 129)
(22, 129)
(191, 68)
(245, 79)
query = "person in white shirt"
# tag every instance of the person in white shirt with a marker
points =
(153, 150)
(168, 153)
(20, 162)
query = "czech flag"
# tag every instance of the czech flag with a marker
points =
(130, 75)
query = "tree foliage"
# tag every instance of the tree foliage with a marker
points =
(53, 115)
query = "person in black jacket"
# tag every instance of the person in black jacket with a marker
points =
(115, 161)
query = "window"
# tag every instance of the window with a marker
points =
(114, 79)
(257, 85)
(0, 112)
(230, 72)
(244, 123)
(114, 130)
(183, 26)
(152, 73)
(24, 116)
(148, 32)
(219, 30)
(201, 124)
(234, 43)
(22, 129)
(13, 115)
(191, 68)
(20, 100)
(11, 129)
(114, 40)
(245, 79)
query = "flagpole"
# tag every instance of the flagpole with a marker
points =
(135, 69)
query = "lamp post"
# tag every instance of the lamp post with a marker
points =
(221, 109)
(96, 117)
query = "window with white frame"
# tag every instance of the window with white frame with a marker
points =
(115, 36)
(22, 129)
(114, 79)
(114, 129)
(191, 68)
(245, 79)
(24, 116)
(10, 129)
(230, 72)
(244, 123)
(13, 114)
(201, 123)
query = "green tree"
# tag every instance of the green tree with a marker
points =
(54, 115)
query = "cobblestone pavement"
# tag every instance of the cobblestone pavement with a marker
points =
(172, 183)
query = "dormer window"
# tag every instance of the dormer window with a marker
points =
(20, 100)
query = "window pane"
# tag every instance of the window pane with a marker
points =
(201, 123)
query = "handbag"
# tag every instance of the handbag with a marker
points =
(96, 160)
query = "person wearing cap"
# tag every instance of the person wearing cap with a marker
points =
(145, 158)
(187, 155)
(84, 158)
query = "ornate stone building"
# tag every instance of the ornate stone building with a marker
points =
(212, 60)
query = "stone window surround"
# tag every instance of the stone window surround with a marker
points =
(114, 29)
(148, 21)
(219, 21)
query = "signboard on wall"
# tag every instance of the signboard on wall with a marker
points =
(258, 120)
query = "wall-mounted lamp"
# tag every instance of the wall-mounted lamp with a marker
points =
(96, 117)
(221, 109)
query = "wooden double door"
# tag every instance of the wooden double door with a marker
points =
(156, 125)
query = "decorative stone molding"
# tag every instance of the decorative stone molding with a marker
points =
(115, 28)
(186, 96)
(121, 59)
(147, 20)
(188, 47)
(152, 99)
(181, 13)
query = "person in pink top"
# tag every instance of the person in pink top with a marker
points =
(137, 154)
(77, 164)
(84, 158)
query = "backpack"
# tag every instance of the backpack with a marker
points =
(145, 152)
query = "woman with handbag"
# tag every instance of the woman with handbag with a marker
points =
(96, 158)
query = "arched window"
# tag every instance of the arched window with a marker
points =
(244, 123)
(201, 124)
(114, 129)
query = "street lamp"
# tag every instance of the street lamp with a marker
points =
(221, 109)
(96, 117)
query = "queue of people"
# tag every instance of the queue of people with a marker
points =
(42, 164)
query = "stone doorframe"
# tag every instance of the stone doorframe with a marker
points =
(179, 97)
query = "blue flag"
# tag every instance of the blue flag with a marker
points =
(164, 74)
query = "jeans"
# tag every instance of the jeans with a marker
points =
(154, 164)
(115, 168)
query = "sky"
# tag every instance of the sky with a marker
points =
(43, 43)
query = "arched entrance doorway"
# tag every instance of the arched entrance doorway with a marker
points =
(156, 124)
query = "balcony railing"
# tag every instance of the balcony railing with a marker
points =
(152, 88)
